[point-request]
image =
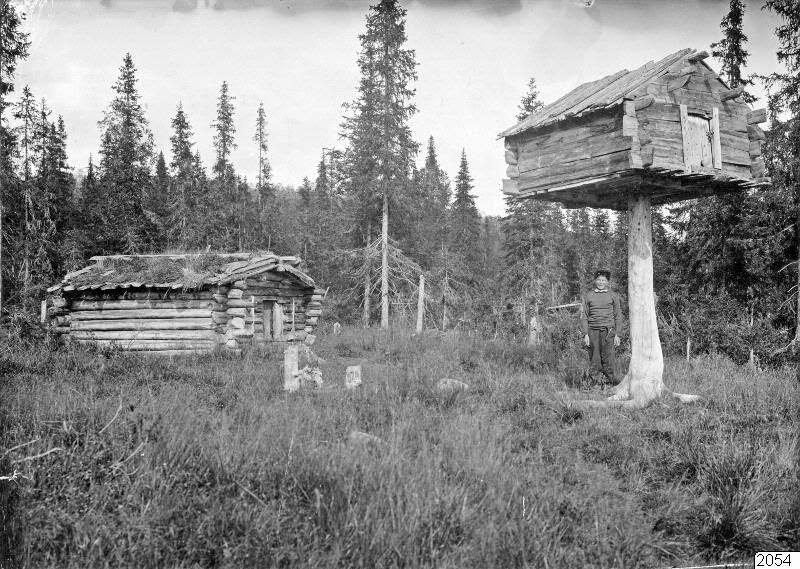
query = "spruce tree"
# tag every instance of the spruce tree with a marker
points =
(783, 142)
(381, 148)
(126, 154)
(465, 221)
(264, 185)
(183, 194)
(730, 49)
(14, 45)
(530, 102)
(223, 225)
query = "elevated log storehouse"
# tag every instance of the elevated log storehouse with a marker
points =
(174, 304)
(673, 126)
(668, 131)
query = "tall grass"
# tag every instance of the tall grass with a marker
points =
(206, 462)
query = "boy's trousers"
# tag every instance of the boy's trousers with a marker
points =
(601, 352)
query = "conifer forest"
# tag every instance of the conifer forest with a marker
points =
(726, 275)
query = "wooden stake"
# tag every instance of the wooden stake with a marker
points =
(290, 357)
(421, 303)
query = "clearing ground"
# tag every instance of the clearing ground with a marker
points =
(115, 459)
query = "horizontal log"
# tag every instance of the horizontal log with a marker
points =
(95, 305)
(235, 293)
(220, 317)
(754, 132)
(510, 187)
(757, 116)
(755, 148)
(736, 141)
(138, 295)
(145, 335)
(573, 171)
(143, 313)
(177, 353)
(677, 83)
(699, 56)
(511, 157)
(757, 168)
(738, 170)
(146, 345)
(598, 146)
(242, 284)
(729, 94)
(240, 303)
(732, 124)
(140, 324)
(643, 102)
(236, 311)
(512, 172)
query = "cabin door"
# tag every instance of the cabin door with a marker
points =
(272, 320)
(697, 144)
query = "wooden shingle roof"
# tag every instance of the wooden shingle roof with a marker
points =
(594, 95)
(178, 272)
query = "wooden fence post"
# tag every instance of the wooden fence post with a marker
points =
(421, 304)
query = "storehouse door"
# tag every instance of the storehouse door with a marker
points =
(698, 145)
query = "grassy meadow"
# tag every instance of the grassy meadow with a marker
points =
(118, 460)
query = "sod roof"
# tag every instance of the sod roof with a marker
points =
(180, 271)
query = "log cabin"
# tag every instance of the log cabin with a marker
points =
(178, 304)
(672, 125)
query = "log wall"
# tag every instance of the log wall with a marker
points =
(571, 150)
(170, 322)
(175, 322)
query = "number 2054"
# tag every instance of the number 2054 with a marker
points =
(783, 559)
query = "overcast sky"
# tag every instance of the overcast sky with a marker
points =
(298, 57)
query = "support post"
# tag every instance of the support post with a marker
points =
(644, 381)
(421, 304)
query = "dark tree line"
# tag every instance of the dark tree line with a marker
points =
(379, 212)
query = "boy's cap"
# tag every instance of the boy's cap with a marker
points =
(603, 273)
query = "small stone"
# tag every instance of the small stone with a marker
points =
(449, 384)
(237, 323)
(236, 312)
(221, 298)
(352, 377)
(310, 339)
(358, 438)
(240, 285)
(231, 344)
(309, 377)
(337, 328)
(235, 293)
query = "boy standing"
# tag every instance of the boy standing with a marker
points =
(601, 319)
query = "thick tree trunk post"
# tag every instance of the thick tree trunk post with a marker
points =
(385, 264)
(644, 381)
(421, 304)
